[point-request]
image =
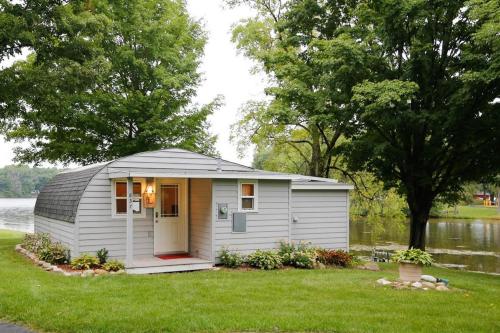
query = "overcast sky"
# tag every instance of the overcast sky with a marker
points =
(225, 73)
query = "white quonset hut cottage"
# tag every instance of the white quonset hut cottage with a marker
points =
(174, 210)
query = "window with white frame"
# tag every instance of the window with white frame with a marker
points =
(120, 198)
(247, 200)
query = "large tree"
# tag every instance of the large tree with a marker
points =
(103, 79)
(312, 63)
(431, 120)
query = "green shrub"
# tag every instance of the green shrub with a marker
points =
(102, 255)
(301, 255)
(265, 259)
(36, 242)
(231, 259)
(412, 256)
(85, 261)
(334, 257)
(55, 253)
(113, 266)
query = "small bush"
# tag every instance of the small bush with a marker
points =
(301, 255)
(231, 259)
(85, 261)
(102, 255)
(55, 253)
(113, 266)
(412, 256)
(334, 257)
(265, 259)
(36, 242)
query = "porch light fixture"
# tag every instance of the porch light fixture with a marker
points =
(149, 197)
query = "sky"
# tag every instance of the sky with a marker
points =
(225, 73)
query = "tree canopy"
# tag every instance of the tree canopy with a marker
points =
(411, 85)
(104, 79)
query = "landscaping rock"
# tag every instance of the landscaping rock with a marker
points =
(46, 265)
(319, 265)
(440, 284)
(442, 288)
(384, 282)
(370, 266)
(72, 273)
(417, 285)
(101, 271)
(428, 278)
(428, 285)
(57, 269)
(18, 248)
(87, 273)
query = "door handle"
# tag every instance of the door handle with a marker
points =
(156, 215)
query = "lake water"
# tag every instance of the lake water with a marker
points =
(463, 244)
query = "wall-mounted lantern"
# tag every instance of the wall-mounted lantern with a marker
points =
(149, 197)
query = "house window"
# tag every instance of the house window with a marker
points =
(169, 200)
(247, 196)
(120, 198)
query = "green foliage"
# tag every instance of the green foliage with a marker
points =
(412, 256)
(113, 266)
(231, 259)
(104, 79)
(37, 242)
(55, 253)
(335, 257)
(20, 181)
(42, 246)
(300, 255)
(102, 255)
(265, 259)
(85, 261)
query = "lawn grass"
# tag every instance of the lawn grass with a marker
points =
(331, 300)
(471, 212)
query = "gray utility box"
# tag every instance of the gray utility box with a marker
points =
(239, 222)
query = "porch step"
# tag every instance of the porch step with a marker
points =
(170, 268)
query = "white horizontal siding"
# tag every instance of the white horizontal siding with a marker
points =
(98, 229)
(200, 226)
(322, 217)
(265, 228)
(59, 231)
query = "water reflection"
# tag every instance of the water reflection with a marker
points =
(17, 214)
(469, 244)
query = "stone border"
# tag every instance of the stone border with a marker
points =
(422, 285)
(56, 269)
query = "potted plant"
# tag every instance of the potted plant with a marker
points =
(411, 262)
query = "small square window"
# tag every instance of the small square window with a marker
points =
(121, 189)
(247, 190)
(248, 196)
(247, 203)
(121, 206)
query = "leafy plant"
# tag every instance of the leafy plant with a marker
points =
(412, 256)
(102, 255)
(85, 261)
(231, 259)
(334, 257)
(113, 266)
(55, 253)
(265, 259)
(301, 255)
(36, 242)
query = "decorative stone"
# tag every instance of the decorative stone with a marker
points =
(87, 273)
(429, 278)
(57, 269)
(370, 266)
(384, 282)
(319, 265)
(440, 284)
(48, 268)
(428, 285)
(46, 265)
(101, 271)
(442, 288)
(121, 271)
(18, 248)
(417, 285)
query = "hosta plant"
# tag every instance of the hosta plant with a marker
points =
(412, 256)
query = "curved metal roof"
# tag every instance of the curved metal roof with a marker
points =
(60, 197)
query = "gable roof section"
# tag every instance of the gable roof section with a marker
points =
(60, 197)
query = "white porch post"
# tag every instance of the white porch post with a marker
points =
(130, 222)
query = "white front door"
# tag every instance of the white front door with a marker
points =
(170, 217)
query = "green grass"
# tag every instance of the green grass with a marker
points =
(332, 300)
(471, 212)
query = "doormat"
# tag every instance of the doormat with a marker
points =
(174, 256)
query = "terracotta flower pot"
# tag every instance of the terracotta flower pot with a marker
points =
(410, 272)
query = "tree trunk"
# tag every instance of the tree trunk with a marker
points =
(316, 166)
(418, 224)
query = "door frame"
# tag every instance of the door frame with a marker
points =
(183, 189)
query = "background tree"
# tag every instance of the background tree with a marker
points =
(312, 64)
(430, 121)
(104, 79)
